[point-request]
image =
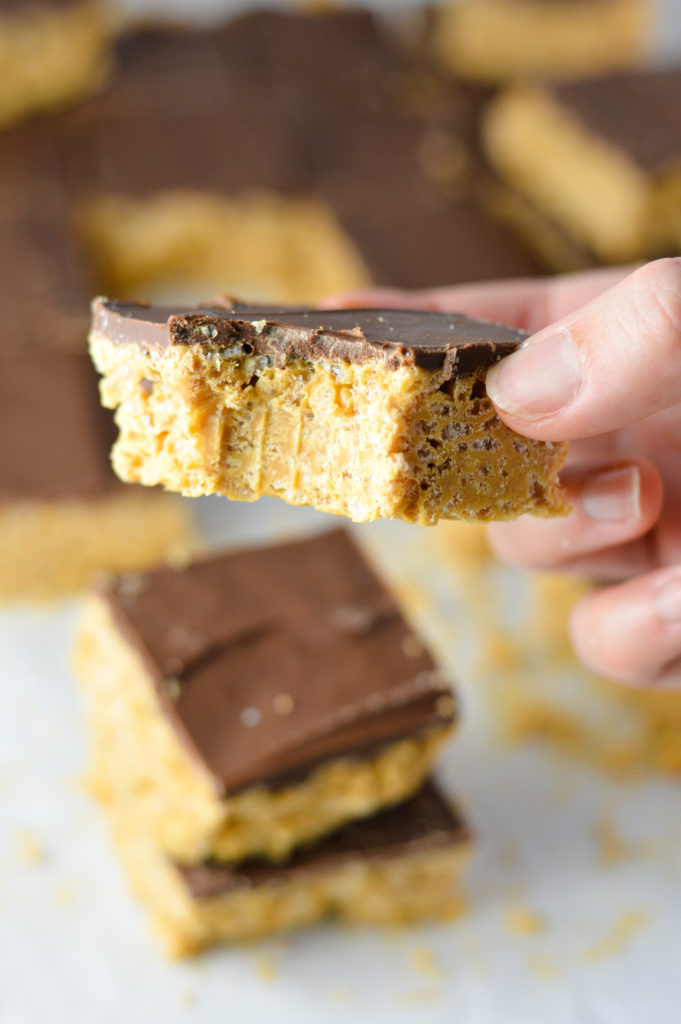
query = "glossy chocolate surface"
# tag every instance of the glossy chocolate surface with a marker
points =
(450, 341)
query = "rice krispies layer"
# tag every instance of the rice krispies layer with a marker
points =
(353, 439)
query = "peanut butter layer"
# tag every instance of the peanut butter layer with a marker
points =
(365, 413)
(399, 866)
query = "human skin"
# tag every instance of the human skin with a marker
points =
(601, 369)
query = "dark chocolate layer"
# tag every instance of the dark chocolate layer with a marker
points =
(54, 434)
(32, 7)
(426, 822)
(273, 660)
(450, 341)
(639, 112)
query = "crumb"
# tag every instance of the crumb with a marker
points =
(523, 921)
(340, 995)
(422, 961)
(65, 895)
(250, 717)
(266, 968)
(613, 848)
(31, 850)
(420, 995)
(283, 704)
(623, 929)
(542, 967)
(501, 652)
(529, 718)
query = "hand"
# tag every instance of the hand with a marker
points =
(606, 375)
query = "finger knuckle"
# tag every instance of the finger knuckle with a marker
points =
(656, 292)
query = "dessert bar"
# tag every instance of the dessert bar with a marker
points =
(257, 700)
(601, 157)
(365, 413)
(401, 865)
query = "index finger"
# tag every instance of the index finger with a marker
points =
(610, 363)
(529, 304)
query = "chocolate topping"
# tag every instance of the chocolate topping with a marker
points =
(450, 341)
(639, 112)
(29, 8)
(272, 660)
(426, 822)
(54, 435)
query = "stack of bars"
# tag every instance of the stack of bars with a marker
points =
(264, 724)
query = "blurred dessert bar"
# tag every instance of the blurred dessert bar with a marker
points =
(497, 40)
(63, 514)
(601, 157)
(551, 243)
(365, 413)
(401, 865)
(263, 245)
(325, 146)
(52, 52)
(256, 700)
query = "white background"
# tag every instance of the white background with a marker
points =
(74, 948)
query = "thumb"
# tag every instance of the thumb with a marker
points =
(608, 364)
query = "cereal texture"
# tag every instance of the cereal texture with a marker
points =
(358, 440)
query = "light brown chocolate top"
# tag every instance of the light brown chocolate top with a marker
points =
(426, 822)
(450, 341)
(272, 660)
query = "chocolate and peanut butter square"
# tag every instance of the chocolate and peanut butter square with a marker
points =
(257, 700)
(401, 865)
(364, 413)
(608, 166)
